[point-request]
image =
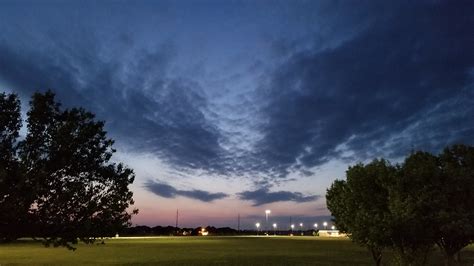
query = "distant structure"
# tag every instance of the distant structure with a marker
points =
(203, 232)
(238, 222)
(177, 216)
(331, 233)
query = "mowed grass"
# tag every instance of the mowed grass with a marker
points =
(203, 251)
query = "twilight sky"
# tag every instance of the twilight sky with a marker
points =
(227, 107)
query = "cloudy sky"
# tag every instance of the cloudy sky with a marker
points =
(228, 107)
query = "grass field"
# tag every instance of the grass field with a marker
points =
(203, 251)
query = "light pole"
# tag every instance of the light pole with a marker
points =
(325, 225)
(267, 212)
(274, 229)
(301, 227)
(258, 226)
(292, 227)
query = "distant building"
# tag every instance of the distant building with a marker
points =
(203, 232)
(331, 233)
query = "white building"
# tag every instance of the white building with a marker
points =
(331, 233)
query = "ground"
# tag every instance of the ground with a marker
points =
(203, 251)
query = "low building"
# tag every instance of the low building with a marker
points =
(331, 233)
(203, 232)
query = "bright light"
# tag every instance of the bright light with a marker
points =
(292, 226)
(301, 224)
(274, 225)
(333, 227)
(267, 211)
(203, 232)
(325, 224)
(257, 225)
(316, 225)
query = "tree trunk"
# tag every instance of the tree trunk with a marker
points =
(453, 256)
(377, 256)
(378, 260)
(449, 260)
(457, 257)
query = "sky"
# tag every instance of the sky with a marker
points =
(234, 107)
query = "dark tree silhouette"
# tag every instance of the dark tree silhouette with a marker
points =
(14, 191)
(413, 195)
(75, 192)
(455, 202)
(360, 205)
(409, 208)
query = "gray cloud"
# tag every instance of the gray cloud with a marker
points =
(263, 196)
(168, 191)
(142, 106)
(376, 80)
(363, 95)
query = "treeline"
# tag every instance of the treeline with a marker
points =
(142, 230)
(57, 182)
(411, 208)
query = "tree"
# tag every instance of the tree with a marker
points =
(76, 192)
(455, 206)
(409, 208)
(13, 186)
(413, 198)
(360, 205)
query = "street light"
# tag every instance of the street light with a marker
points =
(258, 226)
(301, 227)
(325, 225)
(292, 227)
(267, 212)
(315, 228)
(333, 227)
(274, 229)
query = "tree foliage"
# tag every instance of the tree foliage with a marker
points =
(413, 195)
(72, 189)
(359, 205)
(13, 185)
(408, 208)
(455, 205)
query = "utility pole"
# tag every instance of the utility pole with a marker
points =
(238, 222)
(176, 221)
(291, 226)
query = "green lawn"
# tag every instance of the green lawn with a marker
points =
(202, 251)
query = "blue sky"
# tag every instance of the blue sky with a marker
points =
(227, 107)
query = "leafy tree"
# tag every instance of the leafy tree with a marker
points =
(76, 191)
(409, 208)
(455, 204)
(360, 205)
(13, 206)
(413, 197)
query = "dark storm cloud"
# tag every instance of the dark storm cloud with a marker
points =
(132, 92)
(264, 195)
(167, 191)
(372, 94)
(362, 79)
